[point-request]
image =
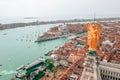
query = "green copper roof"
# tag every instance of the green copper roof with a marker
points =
(92, 53)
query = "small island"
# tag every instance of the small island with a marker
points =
(15, 25)
(62, 31)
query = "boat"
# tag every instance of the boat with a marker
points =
(56, 46)
(5, 34)
(21, 67)
(25, 70)
(37, 62)
(35, 70)
(20, 75)
(49, 53)
(23, 74)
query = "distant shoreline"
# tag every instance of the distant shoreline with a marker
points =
(15, 25)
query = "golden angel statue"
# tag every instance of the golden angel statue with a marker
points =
(93, 35)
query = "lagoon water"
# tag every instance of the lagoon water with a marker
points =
(17, 47)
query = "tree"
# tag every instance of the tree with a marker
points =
(47, 61)
(54, 70)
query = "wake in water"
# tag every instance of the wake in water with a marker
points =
(6, 72)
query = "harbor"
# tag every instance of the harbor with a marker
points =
(60, 40)
(22, 52)
(67, 62)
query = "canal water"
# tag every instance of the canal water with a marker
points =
(17, 47)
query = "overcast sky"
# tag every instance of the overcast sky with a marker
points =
(55, 8)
